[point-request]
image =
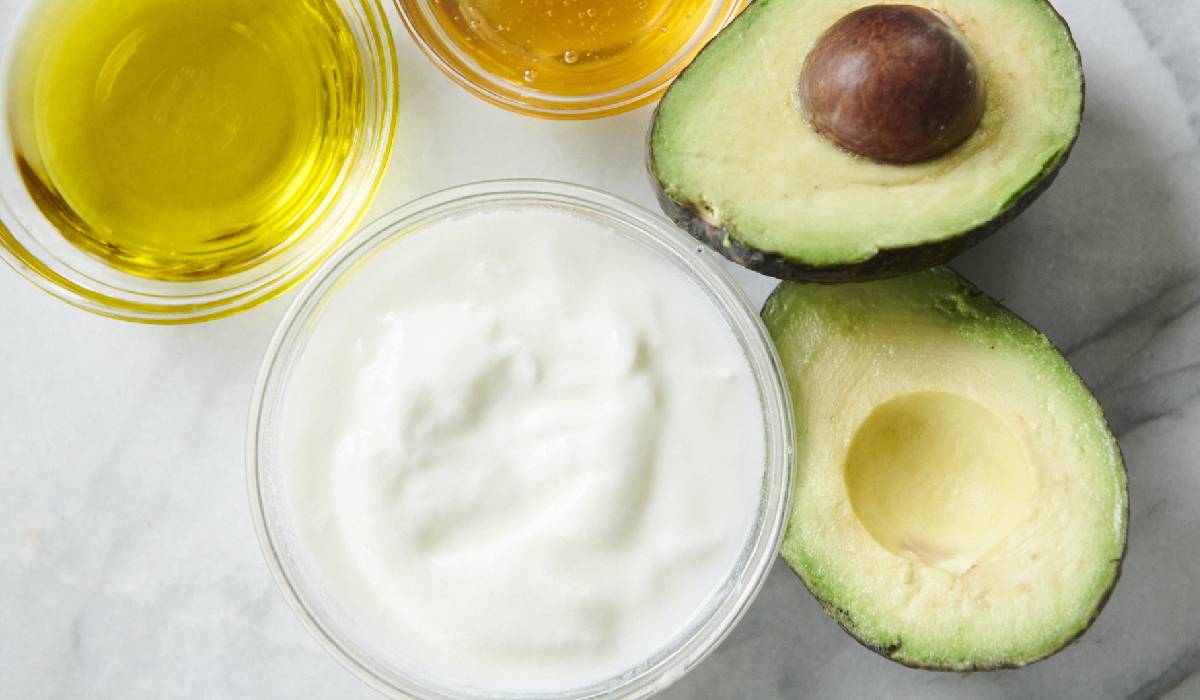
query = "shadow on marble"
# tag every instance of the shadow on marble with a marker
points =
(1113, 232)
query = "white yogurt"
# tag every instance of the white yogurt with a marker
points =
(522, 451)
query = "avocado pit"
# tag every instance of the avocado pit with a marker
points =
(894, 83)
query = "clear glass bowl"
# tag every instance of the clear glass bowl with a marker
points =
(266, 488)
(448, 56)
(35, 248)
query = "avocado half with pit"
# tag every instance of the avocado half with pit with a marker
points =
(960, 503)
(836, 140)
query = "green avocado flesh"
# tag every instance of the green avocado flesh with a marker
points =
(731, 149)
(960, 503)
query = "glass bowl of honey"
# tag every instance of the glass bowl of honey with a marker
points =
(565, 59)
(170, 161)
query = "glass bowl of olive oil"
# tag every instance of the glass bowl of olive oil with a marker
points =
(565, 59)
(172, 161)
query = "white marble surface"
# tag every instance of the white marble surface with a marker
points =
(129, 568)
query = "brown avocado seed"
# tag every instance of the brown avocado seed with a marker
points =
(895, 83)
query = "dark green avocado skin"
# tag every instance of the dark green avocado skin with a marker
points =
(892, 652)
(885, 263)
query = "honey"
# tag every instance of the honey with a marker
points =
(180, 139)
(571, 47)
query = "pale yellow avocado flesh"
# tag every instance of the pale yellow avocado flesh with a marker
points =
(960, 503)
(730, 138)
(938, 478)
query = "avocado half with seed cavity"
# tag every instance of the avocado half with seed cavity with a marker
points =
(960, 503)
(837, 140)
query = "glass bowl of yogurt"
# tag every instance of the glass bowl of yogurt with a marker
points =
(520, 439)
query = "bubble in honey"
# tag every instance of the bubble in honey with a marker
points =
(620, 41)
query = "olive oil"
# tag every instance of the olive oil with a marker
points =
(571, 47)
(185, 139)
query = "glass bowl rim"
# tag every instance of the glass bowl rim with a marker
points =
(423, 27)
(713, 624)
(222, 297)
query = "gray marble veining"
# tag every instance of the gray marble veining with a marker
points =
(129, 567)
